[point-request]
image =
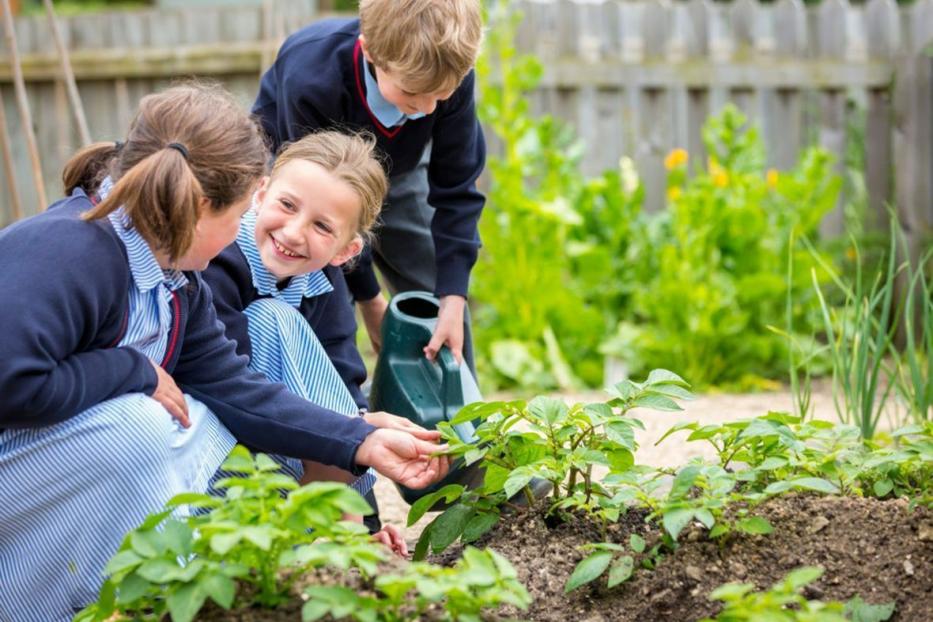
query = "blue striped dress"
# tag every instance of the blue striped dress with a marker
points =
(284, 346)
(72, 490)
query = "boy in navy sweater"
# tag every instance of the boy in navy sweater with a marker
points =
(402, 71)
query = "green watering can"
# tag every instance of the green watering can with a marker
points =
(407, 384)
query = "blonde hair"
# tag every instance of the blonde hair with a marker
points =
(349, 158)
(222, 155)
(429, 44)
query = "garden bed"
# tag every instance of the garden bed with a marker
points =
(874, 549)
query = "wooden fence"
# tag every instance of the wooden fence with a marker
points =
(635, 77)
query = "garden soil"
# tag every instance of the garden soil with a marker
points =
(875, 549)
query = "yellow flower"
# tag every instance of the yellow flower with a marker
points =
(771, 178)
(721, 178)
(676, 158)
(673, 193)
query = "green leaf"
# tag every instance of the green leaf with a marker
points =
(754, 525)
(675, 520)
(705, 517)
(882, 487)
(418, 509)
(517, 480)
(663, 376)
(657, 402)
(731, 591)
(857, 610)
(314, 610)
(477, 410)
(588, 570)
(477, 526)
(816, 484)
(122, 561)
(774, 462)
(185, 602)
(221, 589)
(159, 570)
(222, 543)
(548, 409)
(132, 588)
(260, 536)
(424, 541)
(637, 543)
(449, 526)
(475, 454)
(145, 543)
(621, 570)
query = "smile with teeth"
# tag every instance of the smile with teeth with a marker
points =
(284, 250)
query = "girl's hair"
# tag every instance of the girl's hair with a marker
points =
(218, 153)
(351, 159)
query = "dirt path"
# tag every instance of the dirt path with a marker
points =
(672, 452)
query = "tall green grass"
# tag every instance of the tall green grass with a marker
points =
(860, 336)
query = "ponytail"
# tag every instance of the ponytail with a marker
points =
(189, 148)
(161, 196)
(87, 168)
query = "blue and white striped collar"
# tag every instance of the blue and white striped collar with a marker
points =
(146, 271)
(302, 286)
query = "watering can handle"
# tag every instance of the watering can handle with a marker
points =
(451, 385)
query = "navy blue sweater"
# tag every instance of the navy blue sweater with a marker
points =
(330, 315)
(316, 83)
(68, 283)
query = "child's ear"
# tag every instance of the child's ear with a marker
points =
(363, 49)
(353, 248)
(262, 190)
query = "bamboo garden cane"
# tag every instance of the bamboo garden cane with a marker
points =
(23, 103)
(68, 75)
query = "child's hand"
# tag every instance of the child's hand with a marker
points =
(449, 328)
(385, 420)
(391, 536)
(170, 396)
(373, 311)
(403, 458)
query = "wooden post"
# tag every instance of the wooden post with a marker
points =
(23, 103)
(8, 163)
(68, 76)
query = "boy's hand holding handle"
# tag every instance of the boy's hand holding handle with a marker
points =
(449, 329)
(170, 396)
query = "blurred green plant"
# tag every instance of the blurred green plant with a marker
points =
(691, 288)
(713, 280)
(551, 279)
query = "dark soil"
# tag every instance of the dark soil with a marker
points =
(875, 549)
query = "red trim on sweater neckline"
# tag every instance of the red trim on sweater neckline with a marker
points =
(388, 133)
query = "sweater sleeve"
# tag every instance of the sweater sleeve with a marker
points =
(458, 155)
(67, 282)
(261, 414)
(335, 327)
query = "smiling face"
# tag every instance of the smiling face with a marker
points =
(307, 219)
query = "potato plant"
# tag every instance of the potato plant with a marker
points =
(250, 548)
(544, 440)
